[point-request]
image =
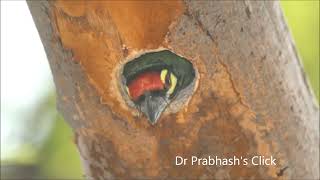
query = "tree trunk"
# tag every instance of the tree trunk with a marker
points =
(251, 96)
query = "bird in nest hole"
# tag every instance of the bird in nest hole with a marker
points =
(155, 79)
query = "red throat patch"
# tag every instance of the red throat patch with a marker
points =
(148, 81)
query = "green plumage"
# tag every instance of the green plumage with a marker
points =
(156, 61)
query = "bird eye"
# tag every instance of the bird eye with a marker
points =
(168, 80)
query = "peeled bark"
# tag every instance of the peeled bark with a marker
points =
(251, 96)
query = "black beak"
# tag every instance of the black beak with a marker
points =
(153, 105)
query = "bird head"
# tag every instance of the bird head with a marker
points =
(152, 91)
(153, 80)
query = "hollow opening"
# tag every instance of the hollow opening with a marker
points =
(156, 81)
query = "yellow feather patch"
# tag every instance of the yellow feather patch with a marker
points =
(163, 75)
(173, 79)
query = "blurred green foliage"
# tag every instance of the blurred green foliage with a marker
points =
(303, 20)
(59, 158)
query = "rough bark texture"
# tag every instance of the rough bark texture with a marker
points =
(251, 96)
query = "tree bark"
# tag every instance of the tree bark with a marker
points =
(251, 96)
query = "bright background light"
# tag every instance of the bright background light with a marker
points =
(25, 73)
